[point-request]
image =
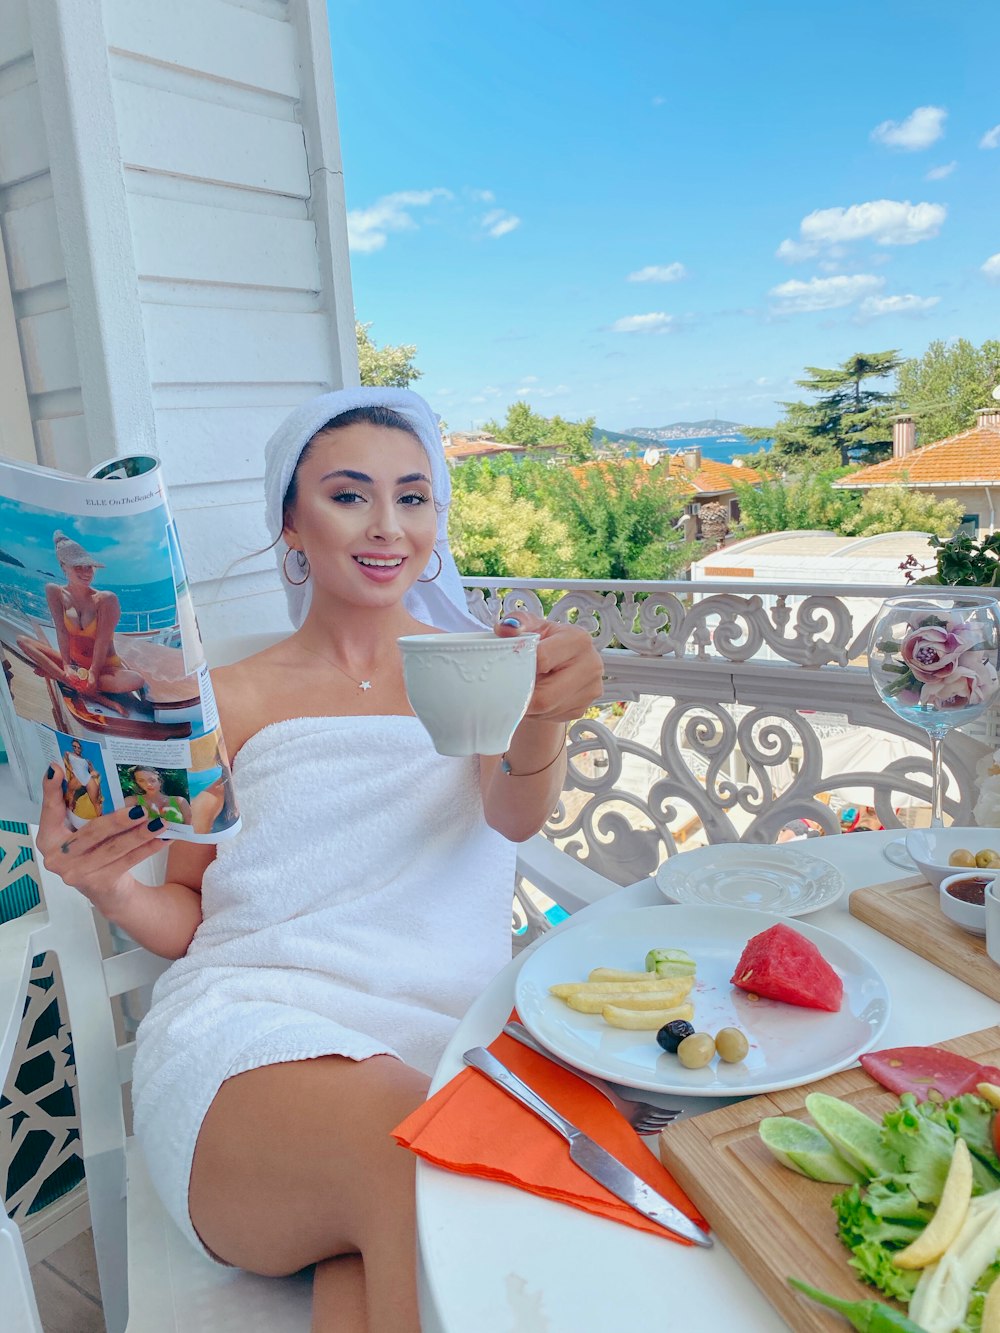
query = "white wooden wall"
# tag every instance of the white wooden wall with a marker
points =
(172, 209)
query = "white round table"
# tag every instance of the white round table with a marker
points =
(499, 1260)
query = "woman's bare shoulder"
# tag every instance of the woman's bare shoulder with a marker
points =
(245, 692)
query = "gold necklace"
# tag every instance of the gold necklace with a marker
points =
(361, 684)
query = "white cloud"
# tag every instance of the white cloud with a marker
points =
(529, 379)
(991, 139)
(884, 221)
(368, 228)
(483, 196)
(873, 306)
(657, 322)
(797, 297)
(939, 173)
(992, 267)
(920, 129)
(498, 223)
(659, 273)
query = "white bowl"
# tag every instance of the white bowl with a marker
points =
(931, 847)
(967, 915)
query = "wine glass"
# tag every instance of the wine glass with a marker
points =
(934, 658)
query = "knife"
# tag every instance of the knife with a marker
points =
(589, 1156)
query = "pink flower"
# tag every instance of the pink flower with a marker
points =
(930, 651)
(970, 682)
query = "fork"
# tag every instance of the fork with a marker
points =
(644, 1117)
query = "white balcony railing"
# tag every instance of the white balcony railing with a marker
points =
(735, 690)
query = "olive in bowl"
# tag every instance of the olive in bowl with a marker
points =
(963, 898)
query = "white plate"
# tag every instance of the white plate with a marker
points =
(789, 1045)
(784, 880)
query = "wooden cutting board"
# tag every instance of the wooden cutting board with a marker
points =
(777, 1223)
(907, 910)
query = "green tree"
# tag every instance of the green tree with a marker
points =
(495, 533)
(529, 428)
(942, 389)
(391, 367)
(621, 518)
(800, 503)
(844, 416)
(900, 509)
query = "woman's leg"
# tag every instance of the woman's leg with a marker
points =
(295, 1165)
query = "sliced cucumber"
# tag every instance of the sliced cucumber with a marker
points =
(854, 1135)
(803, 1148)
(670, 963)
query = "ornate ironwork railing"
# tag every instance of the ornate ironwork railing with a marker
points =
(736, 693)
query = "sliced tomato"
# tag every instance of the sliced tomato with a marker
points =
(927, 1071)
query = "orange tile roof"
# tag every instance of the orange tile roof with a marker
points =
(473, 448)
(712, 477)
(971, 457)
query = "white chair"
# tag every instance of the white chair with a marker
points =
(151, 1279)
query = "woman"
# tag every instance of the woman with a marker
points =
(153, 800)
(85, 620)
(328, 951)
(84, 798)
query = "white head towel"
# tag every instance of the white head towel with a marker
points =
(440, 603)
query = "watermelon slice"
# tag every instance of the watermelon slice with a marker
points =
(783, 965)
(927, 1071)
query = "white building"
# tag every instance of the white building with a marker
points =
(176, 272)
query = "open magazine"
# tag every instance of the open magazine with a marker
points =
(104, 671)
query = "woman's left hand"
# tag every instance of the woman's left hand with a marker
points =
(569, 675)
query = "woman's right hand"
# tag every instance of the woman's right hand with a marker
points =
(98, 858)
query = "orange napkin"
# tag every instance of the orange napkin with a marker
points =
(474, 1127)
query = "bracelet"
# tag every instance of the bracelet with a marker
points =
(506, 768)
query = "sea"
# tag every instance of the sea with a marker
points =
(720, 448)
(144, 606)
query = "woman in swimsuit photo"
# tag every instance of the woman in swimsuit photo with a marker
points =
(145, 787)
(85, 620)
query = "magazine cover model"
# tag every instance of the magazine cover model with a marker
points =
(104, 670)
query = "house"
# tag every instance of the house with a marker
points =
(702, 480)
(964, 467)
(477, 444)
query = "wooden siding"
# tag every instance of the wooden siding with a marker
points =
(222, 118)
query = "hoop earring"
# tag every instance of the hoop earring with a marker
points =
(439, 568)
(302, 560)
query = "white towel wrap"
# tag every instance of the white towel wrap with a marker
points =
(361, 909)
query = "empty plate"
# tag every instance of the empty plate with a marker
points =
(771, 879)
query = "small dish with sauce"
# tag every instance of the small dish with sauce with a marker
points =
(963, 898)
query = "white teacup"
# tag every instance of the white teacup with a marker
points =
(469, 690)
(993, 920)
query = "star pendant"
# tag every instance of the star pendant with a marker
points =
(364, 684)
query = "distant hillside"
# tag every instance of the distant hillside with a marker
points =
(685, 430)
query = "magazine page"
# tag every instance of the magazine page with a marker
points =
(104, 670)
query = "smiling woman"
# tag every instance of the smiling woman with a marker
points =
(326, 953)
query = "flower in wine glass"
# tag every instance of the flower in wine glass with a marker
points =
(971, 681)
(933, 650)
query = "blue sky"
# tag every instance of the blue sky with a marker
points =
(648, 212)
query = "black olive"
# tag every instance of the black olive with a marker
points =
(672, 1034)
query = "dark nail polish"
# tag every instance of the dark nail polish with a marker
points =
(155, 825)
(512, 621)
(136, 812)
(50, 774)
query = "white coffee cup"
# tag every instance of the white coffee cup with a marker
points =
(993, 920)
(469, 690)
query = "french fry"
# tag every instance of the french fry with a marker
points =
(613, 974)
(644, 1020)
(657, 985)
(588, 1002)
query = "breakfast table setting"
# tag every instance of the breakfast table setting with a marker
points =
(518, 1237)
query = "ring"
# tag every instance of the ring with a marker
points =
(64, 848)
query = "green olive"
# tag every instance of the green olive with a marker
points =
(696, 1051)
(732, 1045)
(985, 858)
(961, 857)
